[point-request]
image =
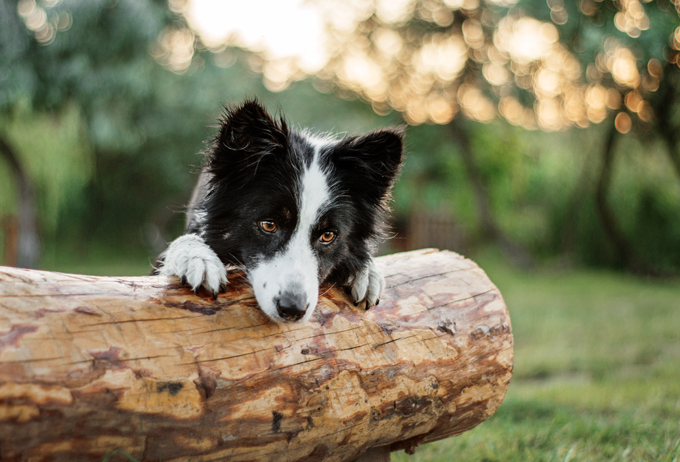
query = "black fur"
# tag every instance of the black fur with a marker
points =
(254, 166)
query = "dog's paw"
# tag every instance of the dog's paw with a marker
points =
(368, 284)
(190, 258)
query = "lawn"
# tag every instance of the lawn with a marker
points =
(597, 373)
(597, 367)
(98, 261)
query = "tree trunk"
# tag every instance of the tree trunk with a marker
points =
(576, 199)
(664, 110)
(28, 242)
(518, 255)
(611, 227)
(91, 365)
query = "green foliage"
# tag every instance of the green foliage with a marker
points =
(57, 155)
(142, 125)
(541, 188)
(111, 139)
(585, 34)
(433, 174)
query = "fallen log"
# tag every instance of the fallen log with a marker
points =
(91, 366)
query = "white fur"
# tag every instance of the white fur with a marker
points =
(199, 217)
(297, 265)
(368, 284)
(189, 256)
(319, 140)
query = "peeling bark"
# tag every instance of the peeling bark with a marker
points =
(89, 365)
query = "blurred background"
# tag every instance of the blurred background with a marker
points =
(543, 142)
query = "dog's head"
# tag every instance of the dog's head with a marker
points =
(294, 210)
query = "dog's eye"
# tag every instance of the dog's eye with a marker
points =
(268, 226)
(327, 237)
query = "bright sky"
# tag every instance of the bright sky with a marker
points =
(281, 28)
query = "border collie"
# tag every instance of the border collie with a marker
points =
(291, 209)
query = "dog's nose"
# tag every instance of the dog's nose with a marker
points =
(291, 306)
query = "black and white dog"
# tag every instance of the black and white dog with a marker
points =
(291, 209)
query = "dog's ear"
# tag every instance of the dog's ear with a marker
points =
(370, 163)
(248, 134)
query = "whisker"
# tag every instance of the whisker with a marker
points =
(241, 267)
(268, 320)
(333, 285)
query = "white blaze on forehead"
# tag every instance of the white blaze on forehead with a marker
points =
(296, 268)
(314, 194)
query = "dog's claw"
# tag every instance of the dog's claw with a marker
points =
(367, 285)
(197, 265)
(223, 287)
(214, 294)
(356, 303)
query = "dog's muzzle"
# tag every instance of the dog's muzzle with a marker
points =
(291, 306)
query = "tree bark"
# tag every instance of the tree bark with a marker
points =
(91, 365)
(518, 255)
(28, 243)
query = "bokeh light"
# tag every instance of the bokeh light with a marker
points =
(623, 122)
(174, 49)
(286, 34)
(632, 18)
(462, 57)
(433, 59)
(42, 20)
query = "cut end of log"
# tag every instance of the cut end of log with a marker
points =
(93, 364)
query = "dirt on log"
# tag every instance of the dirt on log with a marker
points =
(91, 365)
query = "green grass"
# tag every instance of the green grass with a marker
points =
(98, 262)
(597, 372)
(597, 367)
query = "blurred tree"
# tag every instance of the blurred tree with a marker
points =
(143, 122)
(93, 54)
(630, 51)
(147, 92)
(536, 65)
(24, 239)
(25, 228)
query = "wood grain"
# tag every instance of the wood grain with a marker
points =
(93, 364)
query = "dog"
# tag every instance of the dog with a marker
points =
(291, 209)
